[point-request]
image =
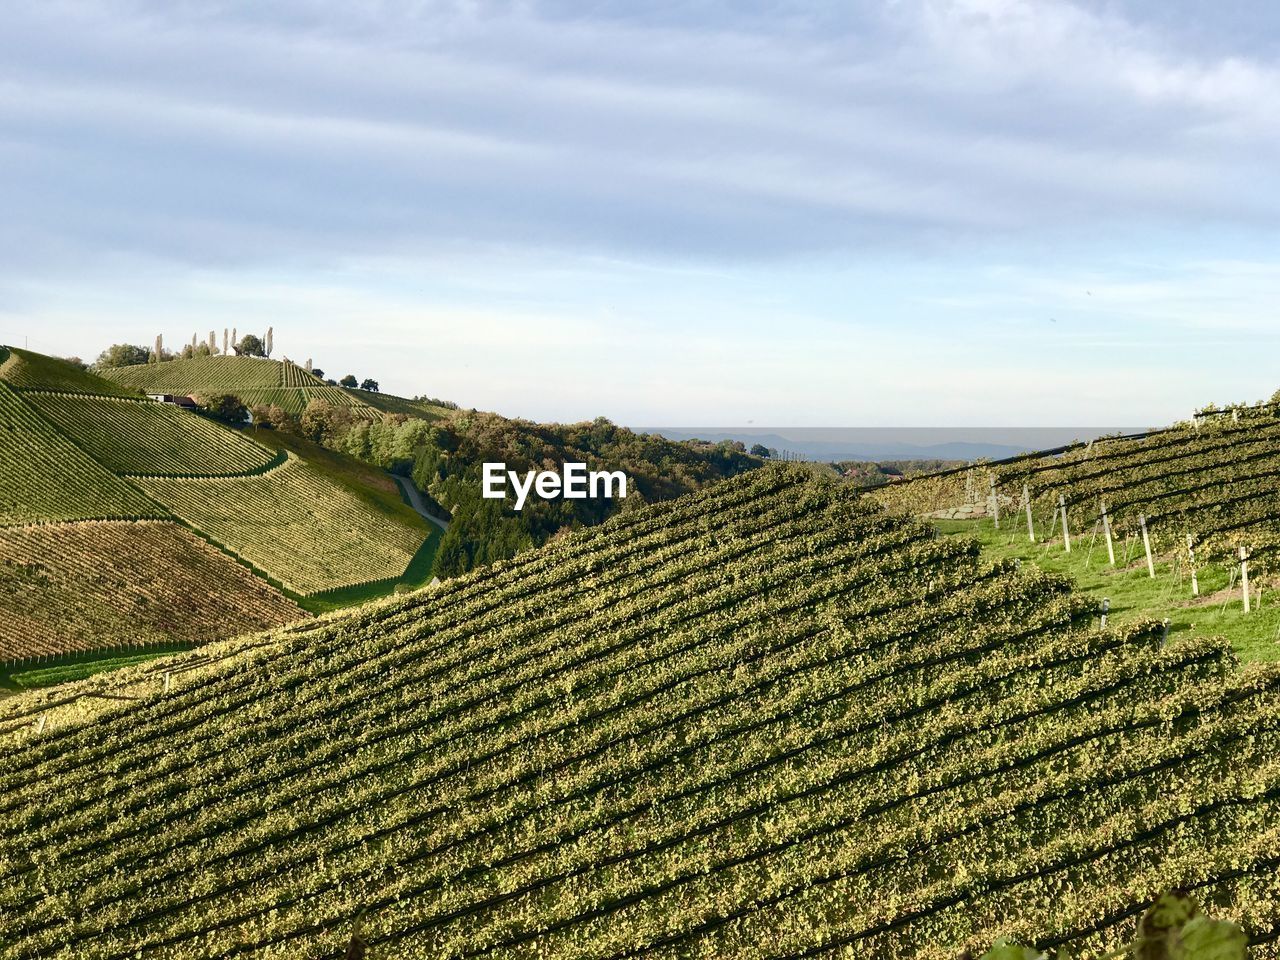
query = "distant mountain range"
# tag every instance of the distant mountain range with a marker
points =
(894, 443)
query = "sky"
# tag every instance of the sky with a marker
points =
(906, 213)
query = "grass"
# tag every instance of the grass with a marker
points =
(1134, 594)
(77, 666)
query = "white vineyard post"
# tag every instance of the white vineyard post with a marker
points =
(40, 723)
(1026, 502)
(1164, 632)
(1146, 545)
(1244, 577)
(1191, 554)
(1235, 415)
(995, 504)
(968, 486)
(1066, 533)
(168, 679)
(1106, 531)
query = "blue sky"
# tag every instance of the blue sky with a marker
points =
(904, 213)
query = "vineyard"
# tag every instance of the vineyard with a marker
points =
(47, 478)
(1199, 492)
(144, 437)
(57, 596)
(294, 524)
(294, 400)
(24, 370)
(764, 720)
(198, 373)
(260, 381)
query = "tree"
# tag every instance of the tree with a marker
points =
(267, 345)
(224, 406)
(759, 450)
(323, 422)
(213, 343)
(368, 383)
(123, 355)
(158, 352)
(226, 341)
(250, 346)
(317, 372)
(272, 416)
(350, 381)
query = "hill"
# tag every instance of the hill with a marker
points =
(763, 720)
(47, 478)
(23, 369)
(143, 437)
(296, 524)
(325, 535)
(1202, 490)
(260, 381)
(112, 585)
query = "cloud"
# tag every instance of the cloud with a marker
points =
(315, 132)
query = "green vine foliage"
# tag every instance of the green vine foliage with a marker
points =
(1173, 928)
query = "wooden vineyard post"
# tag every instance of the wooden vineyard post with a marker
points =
(1164, 633)
(1066, 533)
(968, 486)
(1191, 554)
(168, 677)
(1244, 576)
(1106, 531)
(1026, 502)
(995, 504)
(1146, 545)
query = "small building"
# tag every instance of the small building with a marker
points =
(186, 403)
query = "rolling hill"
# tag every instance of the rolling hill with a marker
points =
(258, 380)
(186, 511)
(23, 369)
(764, 720)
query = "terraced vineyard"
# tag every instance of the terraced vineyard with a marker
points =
(47, 478)
(23, 370)
(292, 375)
(144, 437)
(259, 381)
(57, 595)
(294, 400)
(198, 373)
(763, 721)
(293, 523)
(1216, 482)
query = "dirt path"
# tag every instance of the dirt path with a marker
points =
(415, 500)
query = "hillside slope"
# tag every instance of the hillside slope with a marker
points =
(71, 587)
(765, 720)
(72, 455)
(23, 369)
(295, 523)
(1202, 492)
(258, 380)
(44, 477)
